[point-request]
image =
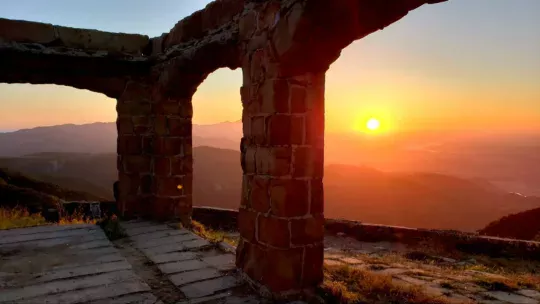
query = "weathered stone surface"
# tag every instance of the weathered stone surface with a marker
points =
(172, 257)
(510, 297)
(221, 262)
(194, 276)
(181, 266)
(206, 288)
(98, 293)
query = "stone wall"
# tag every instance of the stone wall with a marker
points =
(284, 49)
(441, 239)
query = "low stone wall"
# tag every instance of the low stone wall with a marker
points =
(447, 240)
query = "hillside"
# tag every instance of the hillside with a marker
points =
(524, 225)
(509, 161)
(17, 189)
(100, 138)
(424, 200)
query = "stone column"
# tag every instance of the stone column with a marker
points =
(281, 218)
(154, 154)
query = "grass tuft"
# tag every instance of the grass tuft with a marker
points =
(343, 284)
(19, 218)
(111, 227)
(213, 236)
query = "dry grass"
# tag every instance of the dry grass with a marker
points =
(19, 218)
(213, 236)
(343, 284)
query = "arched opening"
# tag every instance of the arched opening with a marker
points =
(459, 121)
(217, 131)
(60, 135)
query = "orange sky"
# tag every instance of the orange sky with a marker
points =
(441, 67)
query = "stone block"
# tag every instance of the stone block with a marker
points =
(181, 165)
(247, 224)
(26, 31)
(259, 195)
(168, 146)
(222, 262)
(278, 130)
(179, 127)
(258, 129)
(124, 125)
(249, 164)
(136, 92)
(172, 186)
(98, 40)
(307, 231)
(282, 269)
(129, 145)
(194, 276)
(206, 288)
(297, 130)
(128, 183)
(313, 266)
(248, 25)
(298, 99)
(274, 232)
(175, 267)
(162, 166)
(274, 161)
(289, 197)
(317, 196)
(275, 96)
(136, 163)
(160, 125)
(308, 162)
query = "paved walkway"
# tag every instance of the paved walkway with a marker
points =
(156, 263)
(66, 264)
(201, 271)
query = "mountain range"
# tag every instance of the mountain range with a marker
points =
(461, 184)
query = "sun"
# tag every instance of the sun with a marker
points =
(373, 124)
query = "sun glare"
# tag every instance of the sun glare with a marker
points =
(373, 124)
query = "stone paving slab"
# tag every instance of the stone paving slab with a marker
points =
(194, 276)
(206, 288)
(188, 260)
(139, 298)
(174, 267)
(172, 257)
(91, 294)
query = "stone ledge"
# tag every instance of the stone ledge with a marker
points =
(52, 35)
(226, 219)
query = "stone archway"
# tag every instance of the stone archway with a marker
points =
(284, 49)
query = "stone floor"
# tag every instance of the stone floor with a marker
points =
(66, 264)
(460, 281)
(155, 263)
(162, 263)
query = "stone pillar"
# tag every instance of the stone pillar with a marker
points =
(281, 220)
(154, 154)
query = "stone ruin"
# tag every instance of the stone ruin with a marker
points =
(284, 48)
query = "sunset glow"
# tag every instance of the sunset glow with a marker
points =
(373, 124)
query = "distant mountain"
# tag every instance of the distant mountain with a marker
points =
(524, 225)
(425, 200)
(101, 138)
(17, 189)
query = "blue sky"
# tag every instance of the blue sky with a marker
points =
(482, 55)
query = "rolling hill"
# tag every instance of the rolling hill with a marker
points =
(524, 226)
(426, 200)
(17, 189)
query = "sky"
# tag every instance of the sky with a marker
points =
(461, 65)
